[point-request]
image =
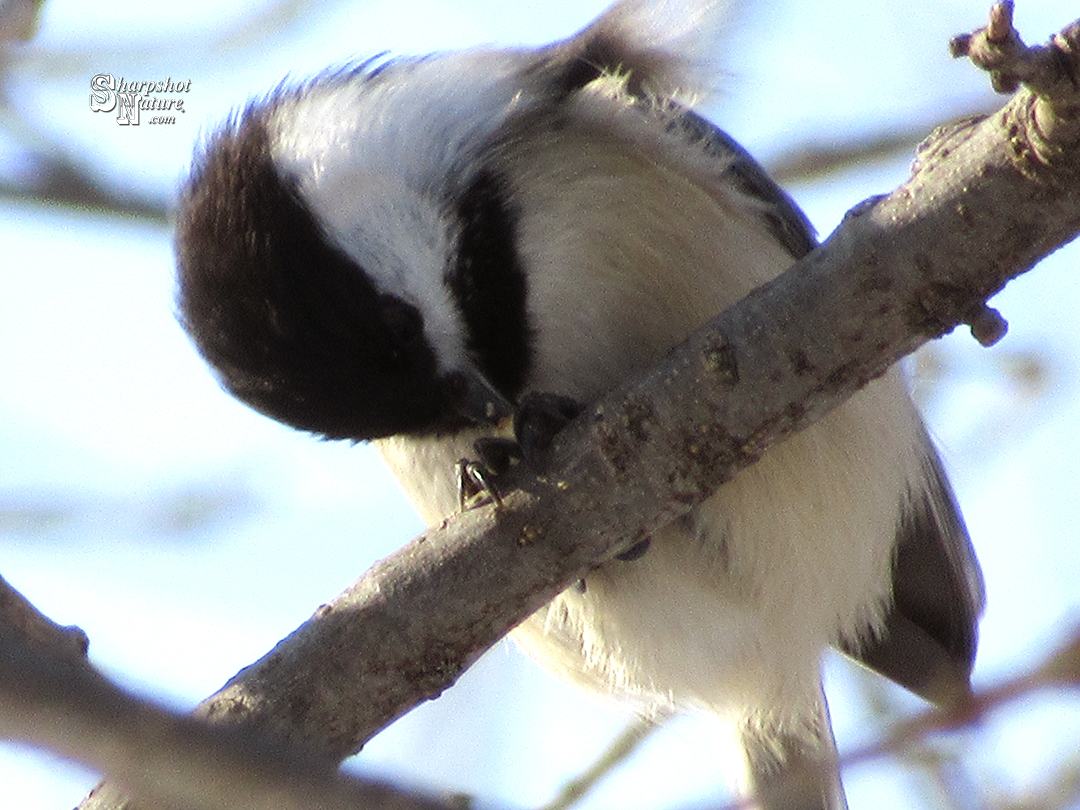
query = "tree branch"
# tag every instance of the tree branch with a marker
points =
(60, 178)
(52, 698)
(44, 636)
(816, 160)
(987, 200)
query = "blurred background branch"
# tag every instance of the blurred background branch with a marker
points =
(50, 697)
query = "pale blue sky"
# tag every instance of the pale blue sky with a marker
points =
(106, 409)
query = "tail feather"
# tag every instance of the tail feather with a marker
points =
(671, 44)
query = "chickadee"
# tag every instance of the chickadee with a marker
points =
(400, 251)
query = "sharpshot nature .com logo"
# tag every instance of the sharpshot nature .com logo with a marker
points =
(133, 99)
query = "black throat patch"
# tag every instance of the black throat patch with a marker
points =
(488, 283)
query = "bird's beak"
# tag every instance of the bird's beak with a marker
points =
(475, 398)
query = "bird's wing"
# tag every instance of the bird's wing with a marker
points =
(928, 641)
(784, 219)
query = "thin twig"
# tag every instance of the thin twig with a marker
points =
(620, 749)
(1060, 669)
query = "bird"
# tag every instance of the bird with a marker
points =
(408, 250)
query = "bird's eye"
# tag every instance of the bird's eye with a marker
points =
(403, 323)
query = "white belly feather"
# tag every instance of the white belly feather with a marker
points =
(732, 606)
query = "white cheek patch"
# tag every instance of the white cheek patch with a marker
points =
(392, 231)
(401, 242)
(375, 155)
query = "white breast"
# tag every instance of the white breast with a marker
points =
(732, 606)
